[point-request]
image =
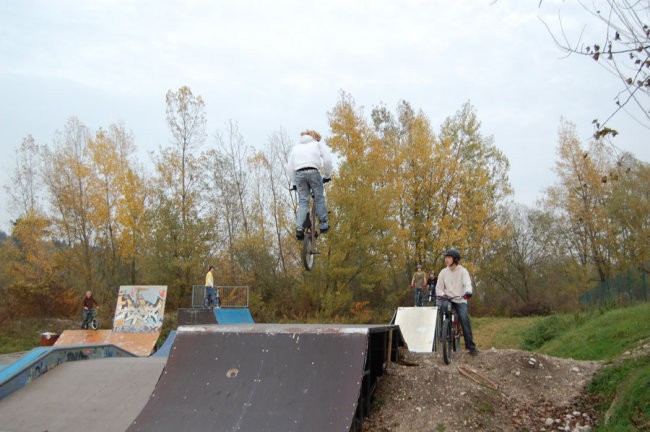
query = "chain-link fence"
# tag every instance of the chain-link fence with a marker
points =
(629, 286)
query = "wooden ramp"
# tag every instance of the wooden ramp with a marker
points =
(82, 337)
(268, 377)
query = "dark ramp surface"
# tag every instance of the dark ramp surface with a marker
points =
(102, 395)
(196, 316)
(259, 378)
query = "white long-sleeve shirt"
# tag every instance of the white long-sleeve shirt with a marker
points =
(452, 283)
(309, 153)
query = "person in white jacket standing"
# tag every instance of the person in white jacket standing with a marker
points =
(305, 162)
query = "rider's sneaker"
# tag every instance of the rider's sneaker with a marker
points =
(473, 352)
(323, 228)
(300, 233)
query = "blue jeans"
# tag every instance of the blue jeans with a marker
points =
(418, 296)
(212, 296)
(463, 317)
(306, 182)
(88, 314)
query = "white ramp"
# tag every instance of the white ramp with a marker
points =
(418, 327)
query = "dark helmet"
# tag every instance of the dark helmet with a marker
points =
(419, 265)
(453, 253)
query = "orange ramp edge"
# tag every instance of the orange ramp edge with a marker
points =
(82, 337)
(140, 344)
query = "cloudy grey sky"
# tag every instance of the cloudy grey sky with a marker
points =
(282, 64)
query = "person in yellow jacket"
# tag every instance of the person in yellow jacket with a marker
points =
(212, 297)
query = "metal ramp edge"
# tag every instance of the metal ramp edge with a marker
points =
(166, 347)
(40, 360)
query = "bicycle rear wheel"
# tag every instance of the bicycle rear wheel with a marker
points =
(456, 335)
(307, 251)
(447, 341)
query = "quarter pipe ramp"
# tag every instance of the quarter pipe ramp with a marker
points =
(264, 377)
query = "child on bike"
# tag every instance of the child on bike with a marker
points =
(454, 285)
(305, 161)
(431, 284)
(90, 305)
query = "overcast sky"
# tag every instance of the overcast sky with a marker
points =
(282, 64)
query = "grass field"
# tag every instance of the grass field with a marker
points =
(604, 336)
(495, 332)
(25, 334)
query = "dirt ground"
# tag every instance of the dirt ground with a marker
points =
(534, 392)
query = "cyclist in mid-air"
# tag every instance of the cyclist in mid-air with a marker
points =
(305, 161)
(454, 281)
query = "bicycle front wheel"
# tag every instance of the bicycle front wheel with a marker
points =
(447, 341)
(456, 336)
(307, 252)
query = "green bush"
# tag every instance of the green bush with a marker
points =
(547, 329)
(621, 390)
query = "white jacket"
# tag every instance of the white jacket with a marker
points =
(309, 153)
(452, 283)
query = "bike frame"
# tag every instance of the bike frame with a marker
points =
(312, 232)
(450, 342)
(92, 316)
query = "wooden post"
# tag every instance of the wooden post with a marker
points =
(390, 347)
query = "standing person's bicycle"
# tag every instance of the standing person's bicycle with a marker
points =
(311, 233)
(451, 329)
(211, 299)
(90, 320)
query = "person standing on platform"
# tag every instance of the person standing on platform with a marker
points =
(418, 283)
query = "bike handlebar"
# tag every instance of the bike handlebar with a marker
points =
(449, 298)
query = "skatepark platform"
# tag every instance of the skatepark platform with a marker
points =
(200, 316)
(98, 395)
(266, 377)
(43, 359)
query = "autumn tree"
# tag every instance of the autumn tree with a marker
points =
(360, 201)
(69, 177)
(628, 207)
(621, 45)
(26, 188)
(579, 200)
(179, 241)
(118, 196)
(36, 286)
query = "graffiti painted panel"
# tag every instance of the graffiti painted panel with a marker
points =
(140, 309)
